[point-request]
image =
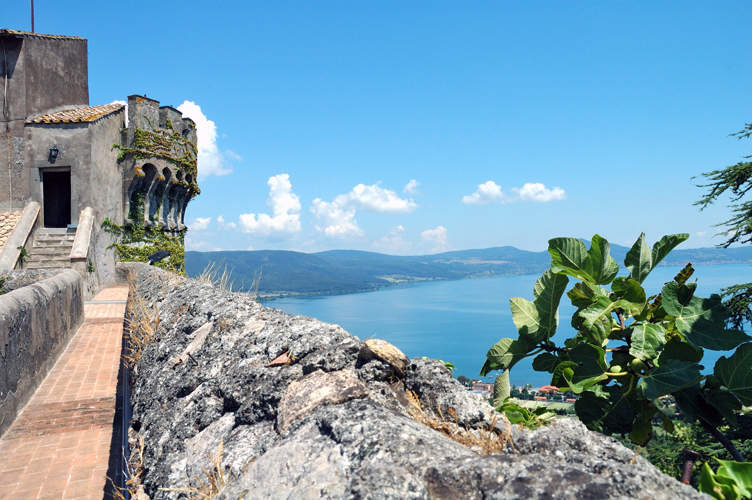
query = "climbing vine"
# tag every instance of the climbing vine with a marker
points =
(165, 143)
(137, 242)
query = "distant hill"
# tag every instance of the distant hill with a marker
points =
(348, 271)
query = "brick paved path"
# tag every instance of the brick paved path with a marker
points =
(60, 446)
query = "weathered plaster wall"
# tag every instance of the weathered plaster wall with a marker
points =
(43, 75)
(36, 323)
(333, 421)
(72, 141)
(57, 73)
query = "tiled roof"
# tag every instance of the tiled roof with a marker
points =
(86, 114)
(7, 223)
(26, 34)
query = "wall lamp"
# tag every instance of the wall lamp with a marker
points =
(53, 153)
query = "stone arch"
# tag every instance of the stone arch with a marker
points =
(151, 181)
(157, 198)
(143, 178)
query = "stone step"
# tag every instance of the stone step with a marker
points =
(51, 250)
(51, 243)
(47, 258)
(50, 264)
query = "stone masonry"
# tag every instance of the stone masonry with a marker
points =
(298, 408)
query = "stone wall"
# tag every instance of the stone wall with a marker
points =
(302, 409)
(36, 323)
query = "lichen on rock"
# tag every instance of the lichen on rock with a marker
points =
(332, 424)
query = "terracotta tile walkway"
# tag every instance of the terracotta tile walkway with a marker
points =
(60, 445)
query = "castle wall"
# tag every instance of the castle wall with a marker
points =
(36, 323)
(74, 155)
(57, 74)
(104, 192)
(43, 75)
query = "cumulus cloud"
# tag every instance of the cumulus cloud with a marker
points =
(336, 222)
(490, 192)
(225, 225)
(200, 224)
(411, 187)
(486, 193)
(535, 191)
(375, 199)
(436, 238)
(210, 160)
(337, 218)
(285, 207)
(394, 243)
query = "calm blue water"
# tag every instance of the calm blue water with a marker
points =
(459, 321)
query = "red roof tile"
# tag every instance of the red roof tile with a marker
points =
(85, 114)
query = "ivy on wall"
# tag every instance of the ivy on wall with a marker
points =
(167, 144)
(137, 241)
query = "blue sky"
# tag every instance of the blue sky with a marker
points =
(418, 127)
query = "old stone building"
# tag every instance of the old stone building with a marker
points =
(83, 188)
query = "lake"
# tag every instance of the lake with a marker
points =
(459, 321)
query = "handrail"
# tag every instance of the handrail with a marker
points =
(80, 249)
(18, 237)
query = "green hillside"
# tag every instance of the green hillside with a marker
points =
(348, 271)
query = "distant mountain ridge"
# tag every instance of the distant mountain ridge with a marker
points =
(347, 271)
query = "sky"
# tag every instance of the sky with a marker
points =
(421, 127)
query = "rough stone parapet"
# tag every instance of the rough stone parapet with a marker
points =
(299, 412)
(36, 323)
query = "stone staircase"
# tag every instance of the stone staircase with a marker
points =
(51, 249)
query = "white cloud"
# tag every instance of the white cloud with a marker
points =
(437, 238)
(199, 245)
(200, 224)
(336, 222)
(394, 243)
(486, 193)
(411, 187)
(210, 160)
(375, 199)
(285, 207)
(232, 154)
(490, 192)
(701, 233)
(535, 191)
(225, 225)
(338, 217)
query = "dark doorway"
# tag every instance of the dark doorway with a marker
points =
(57, 199)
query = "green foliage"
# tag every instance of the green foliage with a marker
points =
(629, 350)
(167, 144)
(732, 480)
(737, 180)
(137, 242)
(23, 254)
(530, 419)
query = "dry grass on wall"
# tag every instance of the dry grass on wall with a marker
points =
(215, 479)
(481, 441)
(141, 326)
